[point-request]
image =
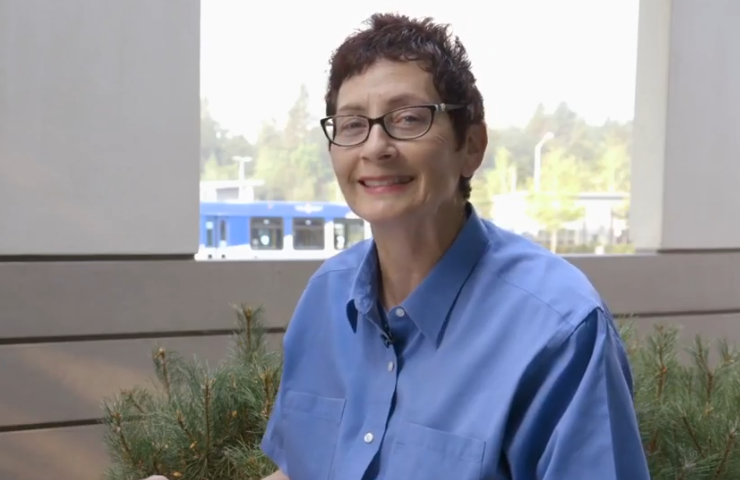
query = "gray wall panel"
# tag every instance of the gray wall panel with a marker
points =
(102, 298)
(48, 383)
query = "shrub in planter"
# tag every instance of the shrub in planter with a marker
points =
(688, 407)
(198, 423)
(201, 423)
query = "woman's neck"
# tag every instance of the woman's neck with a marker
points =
(408, 250)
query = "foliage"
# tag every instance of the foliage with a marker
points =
(498, 180)
(688, 407)
(554, 204)
(593, 248)
(199, 423)
(293, 157)
(587, 144)
(218, 148)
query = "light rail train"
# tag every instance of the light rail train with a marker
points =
(272, 230)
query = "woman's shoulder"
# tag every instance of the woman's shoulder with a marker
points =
(528, 274)
(348, 260)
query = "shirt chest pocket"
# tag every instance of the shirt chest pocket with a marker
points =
(310, 425)
(429, 454)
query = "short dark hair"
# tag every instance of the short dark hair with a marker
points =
(400, 38)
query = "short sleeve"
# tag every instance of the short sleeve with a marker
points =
(272, 441)
(574, 414)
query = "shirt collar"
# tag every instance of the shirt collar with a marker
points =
(430, 303)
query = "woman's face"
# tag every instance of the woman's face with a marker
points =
(386, 180)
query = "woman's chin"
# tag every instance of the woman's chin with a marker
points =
(379, 216)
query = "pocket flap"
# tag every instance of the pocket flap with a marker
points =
(322, 407)
(444, 443)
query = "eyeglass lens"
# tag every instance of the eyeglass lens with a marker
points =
(403, 124)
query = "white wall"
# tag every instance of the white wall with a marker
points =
(686, 137)
(99, 126)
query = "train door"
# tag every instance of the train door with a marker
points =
(215, 238)
(222, 237)
(208, 238)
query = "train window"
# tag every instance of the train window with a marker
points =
(209, 234)
(347, 232)
(266, 233)
(308, 233)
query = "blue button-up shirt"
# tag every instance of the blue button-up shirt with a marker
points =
(504, 364)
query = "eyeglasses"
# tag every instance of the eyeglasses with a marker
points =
(406, 123)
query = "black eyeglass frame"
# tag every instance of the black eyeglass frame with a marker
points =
(433, 107)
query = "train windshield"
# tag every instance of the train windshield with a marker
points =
(347, 232)
(266, 233)
(308, 233)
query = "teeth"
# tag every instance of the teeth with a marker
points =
(386, 183)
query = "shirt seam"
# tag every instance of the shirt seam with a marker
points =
(562, 316)
(319, 275)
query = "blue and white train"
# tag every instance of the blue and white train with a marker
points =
(267, 230)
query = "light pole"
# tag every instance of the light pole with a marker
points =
(538, 159)
(242, 161)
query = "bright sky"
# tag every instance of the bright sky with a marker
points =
(255, 55)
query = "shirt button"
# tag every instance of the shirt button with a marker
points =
(390, 366)
(369, 437)
(400, 312)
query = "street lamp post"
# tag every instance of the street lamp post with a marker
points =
(242, 161)
(538, 159)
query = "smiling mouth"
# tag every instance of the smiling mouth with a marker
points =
(386, 182)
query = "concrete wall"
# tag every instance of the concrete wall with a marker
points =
(75, 332)
(99, 108)
(94, 267)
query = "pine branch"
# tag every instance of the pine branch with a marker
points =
(129, 396)
(208, 415)
(692, 434)
(161, 360)
(157, 458)
(652, 446)
(124, 443)
(662, 368)
(726, 454)
(249, 319)
(267, 385)
(186, 430)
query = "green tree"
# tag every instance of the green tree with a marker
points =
(578, 139)
(503, 175)
(488, 182)
(211, 134)
(480, 195)
(324, 174)
(213, 171)
(554, 205)
(298, 123)
(218, 148)
(294, 161)
(612, 172)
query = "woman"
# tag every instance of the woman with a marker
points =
(445, 348)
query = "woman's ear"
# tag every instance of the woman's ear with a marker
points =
(476, 143)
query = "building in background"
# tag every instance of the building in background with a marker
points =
(229, 190)
(604, 221)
